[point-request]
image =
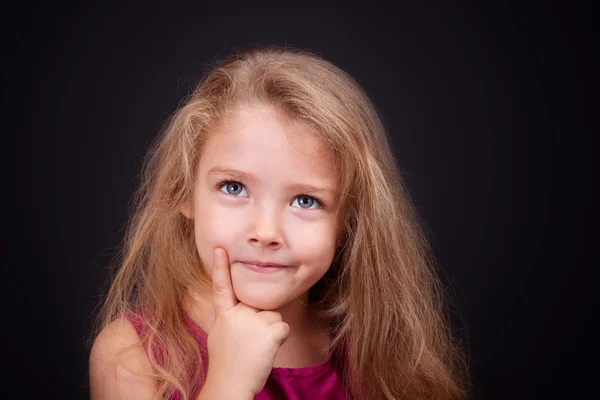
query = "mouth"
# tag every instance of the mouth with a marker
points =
(262, 267)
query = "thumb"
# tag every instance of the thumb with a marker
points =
(223, 296)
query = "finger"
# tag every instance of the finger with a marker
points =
(281, 331)
(270, 316)
(223, 296)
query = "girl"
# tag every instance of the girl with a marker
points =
(274, 252)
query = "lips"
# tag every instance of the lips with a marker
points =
(264, 264)
(263, 268)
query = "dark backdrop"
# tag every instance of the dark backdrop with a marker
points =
(485, 104)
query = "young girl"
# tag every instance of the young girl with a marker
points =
(274, 252)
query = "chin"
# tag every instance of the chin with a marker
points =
(263, 303)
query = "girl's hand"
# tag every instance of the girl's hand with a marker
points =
(243, 341)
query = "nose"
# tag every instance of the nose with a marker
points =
(265, 232)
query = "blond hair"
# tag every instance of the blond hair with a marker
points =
(381, 295)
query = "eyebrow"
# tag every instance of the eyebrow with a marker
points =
(246, 176)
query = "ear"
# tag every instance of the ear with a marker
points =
(187, 209)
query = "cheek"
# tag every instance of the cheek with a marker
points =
(315, 245)
(214, 227)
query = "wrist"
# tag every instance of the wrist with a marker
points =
(219, 389)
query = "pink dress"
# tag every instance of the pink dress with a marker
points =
(314, 382)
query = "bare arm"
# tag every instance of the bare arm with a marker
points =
(112, 374)
(213, 390)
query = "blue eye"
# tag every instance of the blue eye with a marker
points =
(235, 188)
(306, 202)
(232, 188)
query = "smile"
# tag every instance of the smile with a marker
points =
(263, 267)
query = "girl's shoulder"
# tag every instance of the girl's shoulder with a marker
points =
(118, 362)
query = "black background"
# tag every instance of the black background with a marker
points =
(489, 108)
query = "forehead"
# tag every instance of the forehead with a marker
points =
(259, 140)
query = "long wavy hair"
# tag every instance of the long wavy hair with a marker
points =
(381, 296)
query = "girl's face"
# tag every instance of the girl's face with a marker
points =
(265, 193)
